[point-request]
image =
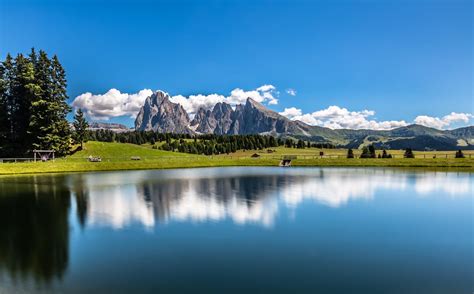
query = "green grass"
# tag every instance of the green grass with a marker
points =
(120, 152)
(116, 156)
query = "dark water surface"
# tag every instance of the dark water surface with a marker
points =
(238, 230)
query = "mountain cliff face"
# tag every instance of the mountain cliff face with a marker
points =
(159, 114)
(218, 121)
(250, 118)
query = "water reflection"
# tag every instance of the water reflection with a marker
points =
(34, 229)
(254, 196)
(35, 211)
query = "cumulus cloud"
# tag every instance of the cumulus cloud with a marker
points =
(336, 117)
(114, 103)
(291, 112)
(444, 122)
(111, 104)
(192, 103)
(291, 92)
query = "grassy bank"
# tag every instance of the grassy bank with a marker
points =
(116, 156)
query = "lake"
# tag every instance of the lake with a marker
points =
(238, 230)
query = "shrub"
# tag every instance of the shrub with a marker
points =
(385, 154)
(408, 153)
(365, 153)
(459, 154)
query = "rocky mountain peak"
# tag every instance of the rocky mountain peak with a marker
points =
(161, 115)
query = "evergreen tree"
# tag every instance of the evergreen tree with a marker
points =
(5, 67)
(372, 151)
(385, 154)
(350, 153)
(49, 127)
(300, 144)
(23, 90)
(365, 153)
(80, 127)
(408, 153)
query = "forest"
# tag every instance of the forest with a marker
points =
(33, 105)
(208, 144)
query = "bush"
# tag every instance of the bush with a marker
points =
(385, 154)
(368, 152)
(408, 153)
(459, 154)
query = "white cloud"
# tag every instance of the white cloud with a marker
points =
(335, 117)
(291, 112)
(444, 122)
(114, 103)
(192, 103)
(291, 92)
(111, 104)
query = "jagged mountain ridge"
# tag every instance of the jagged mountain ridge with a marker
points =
(161, 115)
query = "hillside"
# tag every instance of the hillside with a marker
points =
(120, 151)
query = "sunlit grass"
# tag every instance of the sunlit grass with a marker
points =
(117, 156)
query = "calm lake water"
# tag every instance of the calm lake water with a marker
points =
(238, 230)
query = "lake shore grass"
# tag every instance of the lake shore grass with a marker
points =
(117, 156)
(61, 166)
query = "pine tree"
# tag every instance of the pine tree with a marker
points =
(372, 151)
(4, 115)
(350, 153)
(365, 153)
(23, 90)
(49, 127)
(80, 126)
(300, 144)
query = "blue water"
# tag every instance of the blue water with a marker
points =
(238, 230)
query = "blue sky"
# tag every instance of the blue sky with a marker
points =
(396, 59)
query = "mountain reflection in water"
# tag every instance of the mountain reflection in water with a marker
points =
(35, 210)
(254, 197)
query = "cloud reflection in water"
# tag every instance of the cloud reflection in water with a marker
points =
(249, 195)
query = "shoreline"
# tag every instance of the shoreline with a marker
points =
(63, 166)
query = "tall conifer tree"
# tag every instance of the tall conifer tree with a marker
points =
(80, 127)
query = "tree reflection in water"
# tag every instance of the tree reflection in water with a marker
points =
(34, 228)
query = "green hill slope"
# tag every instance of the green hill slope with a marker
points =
(120, 151)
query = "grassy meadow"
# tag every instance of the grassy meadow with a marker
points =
(117, 156)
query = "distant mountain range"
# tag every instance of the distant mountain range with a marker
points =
(118, 128)
(161, 115)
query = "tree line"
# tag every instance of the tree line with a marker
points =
(208, 144)
(33, 105)
(369, 152)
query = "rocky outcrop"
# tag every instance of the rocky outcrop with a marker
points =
(159, 114)
(217, 121)
(250, 118)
